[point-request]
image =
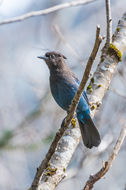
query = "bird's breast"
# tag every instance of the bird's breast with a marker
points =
(63, 91)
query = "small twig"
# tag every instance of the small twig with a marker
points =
(1, 2)
(85, 78)
(122, 78)
(30, 117)
(57, 29)
(87, 156)
(69, 141)
(106, 165)
(46, 11)
(118, 93)
(109, 23)
(73, 106)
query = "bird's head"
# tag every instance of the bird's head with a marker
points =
(54, 60)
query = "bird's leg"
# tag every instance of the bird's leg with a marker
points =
(73, 121)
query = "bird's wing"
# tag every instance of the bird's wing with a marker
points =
(84, 93)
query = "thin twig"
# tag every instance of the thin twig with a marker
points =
(71, 111)
(57, 29)
(1, 2)
(69, 141)
(85, 78)
(122, 76)
(109, 23)
(29, 118)
(106, 165)
(118, 93)
(46, 11)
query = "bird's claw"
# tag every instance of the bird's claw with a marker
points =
(73, 122)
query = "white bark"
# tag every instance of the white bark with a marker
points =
(107, 67)
(69, 141)
(60, 159)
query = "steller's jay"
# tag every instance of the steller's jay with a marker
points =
(64, 85)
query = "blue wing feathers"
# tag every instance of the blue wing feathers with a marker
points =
(84, 93)
(63, 92)
(64, 85)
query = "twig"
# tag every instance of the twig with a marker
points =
(57, 29)
(106, 165)
(29, 118)
(46, 11)
(107, 67)
(69, 141)
(1, 1)
(122, 77)
(85, 78)
(109, 23)
(44, 164)
(118, 93)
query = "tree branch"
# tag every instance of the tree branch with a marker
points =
(106, 165)
(118, 93)
(106, 68)
(61, 149)
(109, 23)
(77, 96)
(58, 157)
(57, 29)
(46, 11)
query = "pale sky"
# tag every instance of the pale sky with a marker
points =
(12, 7)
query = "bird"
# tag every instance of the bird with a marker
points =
(64, 85)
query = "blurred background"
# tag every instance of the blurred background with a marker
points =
(29, 117)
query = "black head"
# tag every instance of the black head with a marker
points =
(54, 60)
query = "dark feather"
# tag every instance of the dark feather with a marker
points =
(90, 134)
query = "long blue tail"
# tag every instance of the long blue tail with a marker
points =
(90, 134)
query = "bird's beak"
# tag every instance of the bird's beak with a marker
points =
(43, 57)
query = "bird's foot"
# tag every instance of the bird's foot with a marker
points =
(73, 122)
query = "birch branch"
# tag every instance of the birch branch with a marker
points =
(118, 93)
(77, 96)
(55, 171)
(46, 11)
(107, 66)
(109, 22)
(106, 165)
(61, 150)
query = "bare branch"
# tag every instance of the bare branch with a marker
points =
(109, 23)
(107, 67)
(57, 29)
(106, 165)
(118, 93)
(30, 117)
(1, 2)
(46, 11)
(60, 158)
(60, 154)
(85, 77)
(122, 77)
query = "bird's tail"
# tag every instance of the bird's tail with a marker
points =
(90, 134)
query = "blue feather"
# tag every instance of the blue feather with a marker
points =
(64, 85)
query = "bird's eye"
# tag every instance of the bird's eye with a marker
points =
(47, 55)
(52, 56)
